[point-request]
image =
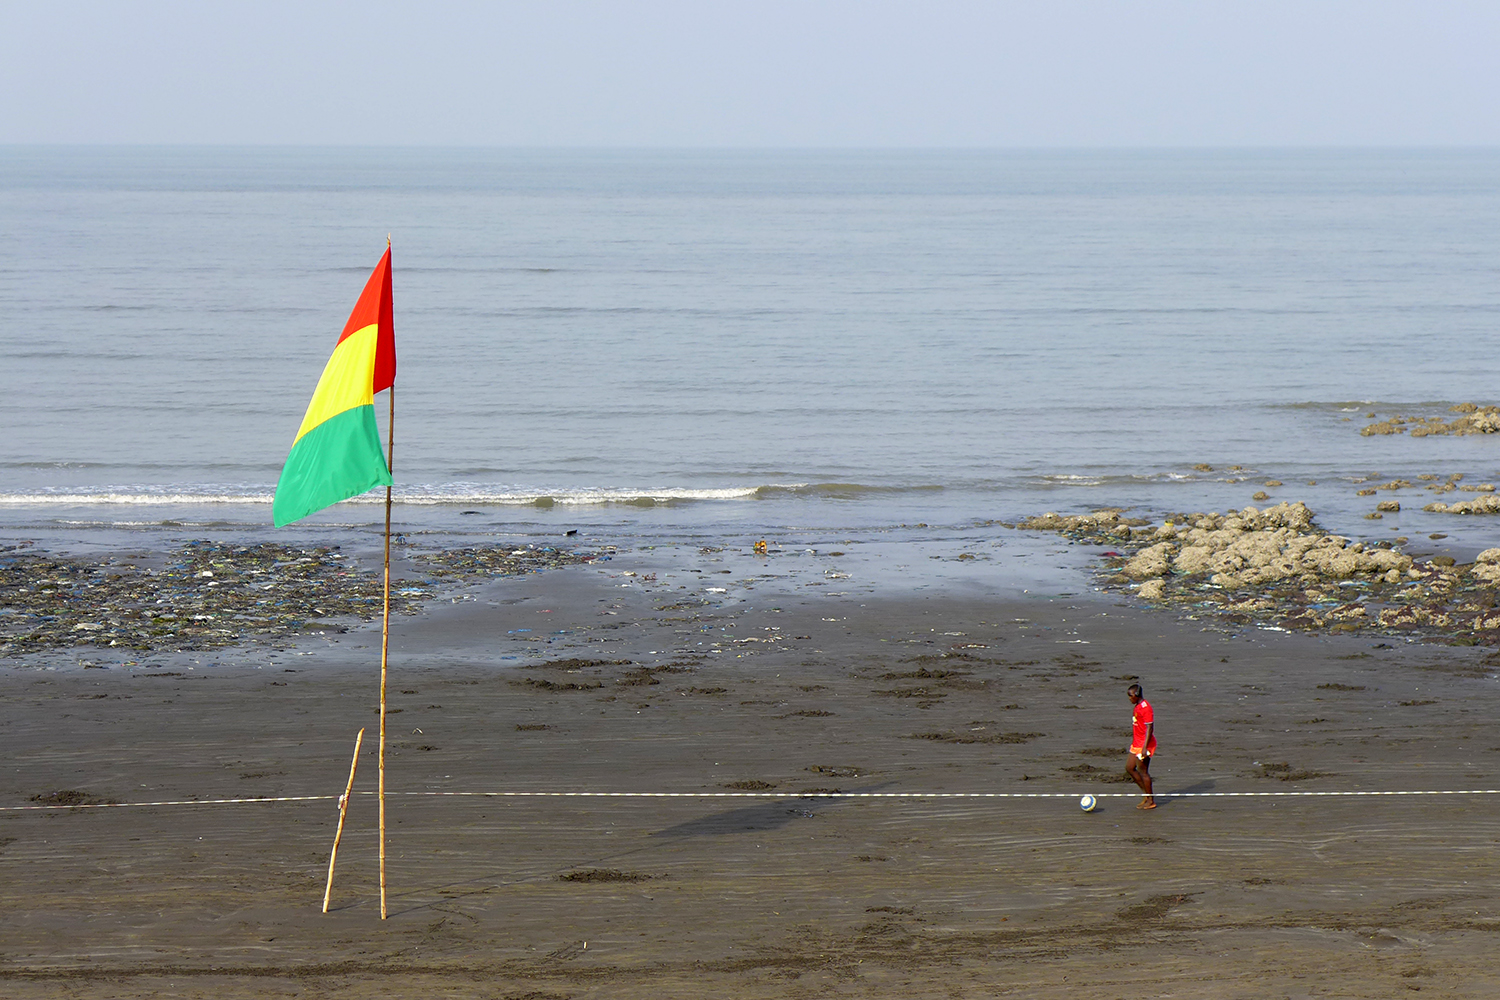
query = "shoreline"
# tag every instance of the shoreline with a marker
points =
(1273, 567)
(775, 689)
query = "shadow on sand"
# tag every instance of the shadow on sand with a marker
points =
(759, 817)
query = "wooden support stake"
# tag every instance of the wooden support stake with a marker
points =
(343, 809)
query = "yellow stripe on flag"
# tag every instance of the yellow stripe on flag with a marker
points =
(346, 381)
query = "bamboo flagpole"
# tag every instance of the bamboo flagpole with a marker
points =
(343, 809)
(385, 641)
(385, 617)
(336, 453)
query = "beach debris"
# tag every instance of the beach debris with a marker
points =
(1276, 568)
(497, 560)
(760, 547)
(211, 595)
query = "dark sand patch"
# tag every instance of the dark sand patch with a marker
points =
(604, 875)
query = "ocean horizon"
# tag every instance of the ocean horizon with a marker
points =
(768, 337)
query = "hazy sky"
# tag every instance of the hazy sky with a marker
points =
(761, 73)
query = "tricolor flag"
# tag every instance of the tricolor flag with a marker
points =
(336, 454)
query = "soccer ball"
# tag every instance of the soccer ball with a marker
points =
(1087, 803)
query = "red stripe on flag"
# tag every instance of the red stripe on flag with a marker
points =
(374, 307)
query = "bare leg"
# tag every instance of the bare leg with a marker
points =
(1138, 770)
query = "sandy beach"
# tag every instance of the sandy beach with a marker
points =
(590, 679)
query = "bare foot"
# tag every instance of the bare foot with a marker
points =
(1146, 804)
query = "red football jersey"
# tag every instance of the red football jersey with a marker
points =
(1141, 718)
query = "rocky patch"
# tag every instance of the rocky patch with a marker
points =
(1472, 419)
(1276, 566)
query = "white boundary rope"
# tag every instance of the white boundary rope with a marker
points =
(757, 795)
(172, 802)
(934, 795)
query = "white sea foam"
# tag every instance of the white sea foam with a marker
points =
(414, 495)
(108, 498)
(1066, 479)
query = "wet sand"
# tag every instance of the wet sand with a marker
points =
(792, 894)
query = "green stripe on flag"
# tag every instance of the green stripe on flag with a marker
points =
(338, 459)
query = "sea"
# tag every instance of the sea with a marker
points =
(810, 346)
